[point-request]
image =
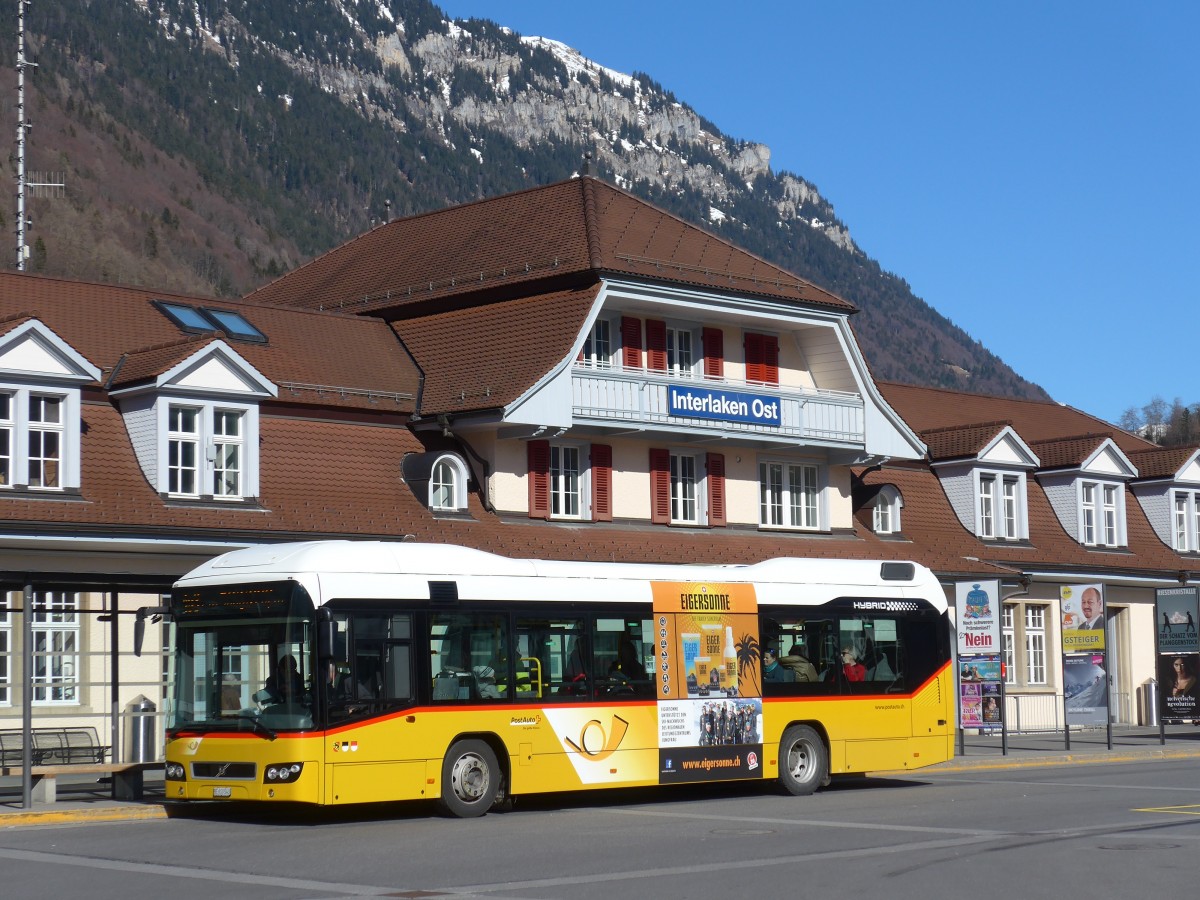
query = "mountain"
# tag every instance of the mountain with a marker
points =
(208, 146)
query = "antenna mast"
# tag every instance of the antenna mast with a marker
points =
(41, 188)
(22, 128)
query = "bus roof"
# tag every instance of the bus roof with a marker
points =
(322, 565)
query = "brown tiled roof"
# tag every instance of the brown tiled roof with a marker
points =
(955, 441)
(581, 227)
(143, 365)
(1034, 420)
(1162, 462)
(485, 357)
(1067, 452)
(304, 351)
(939, 540)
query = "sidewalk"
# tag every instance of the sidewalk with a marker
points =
(982, 752)
(1129, 743)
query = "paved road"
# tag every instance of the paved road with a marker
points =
(1094, 828)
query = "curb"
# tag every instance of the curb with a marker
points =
(75, 816)
(965, 764)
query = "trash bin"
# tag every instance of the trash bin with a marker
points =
(140, 727)
(1150, 703)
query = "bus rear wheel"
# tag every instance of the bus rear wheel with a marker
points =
(803, 761)
(470, 779)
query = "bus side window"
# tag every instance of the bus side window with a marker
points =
(620, 659)
(468, 656)
(551, 651)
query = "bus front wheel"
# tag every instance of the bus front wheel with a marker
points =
(803, 761)
(470, 779)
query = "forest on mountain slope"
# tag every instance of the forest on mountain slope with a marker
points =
(210, 167)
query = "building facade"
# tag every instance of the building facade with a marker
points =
(566, 372)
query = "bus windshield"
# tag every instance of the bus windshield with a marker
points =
(243, 661)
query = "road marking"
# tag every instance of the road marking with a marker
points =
(817, 823)
(1192, 810)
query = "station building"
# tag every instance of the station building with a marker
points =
(566, 372)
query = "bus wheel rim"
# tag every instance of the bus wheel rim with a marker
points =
(469, 778)
(801, 761)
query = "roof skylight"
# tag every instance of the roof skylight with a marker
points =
(202, 319)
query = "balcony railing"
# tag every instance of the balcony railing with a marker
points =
(638, 397)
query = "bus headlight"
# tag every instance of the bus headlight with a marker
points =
(283, 772)
(174, 772)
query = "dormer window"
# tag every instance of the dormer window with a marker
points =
(207, 439)
(1101, 514)
(1187, 521)
(40, 411)
(1001, 508)
(448, 484)
(885, 513)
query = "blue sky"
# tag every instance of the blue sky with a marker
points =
(1031, 169)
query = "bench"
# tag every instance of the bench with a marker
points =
(127, 780)
(67, 751)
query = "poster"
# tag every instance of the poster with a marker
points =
(707, 670)
(1176, 613)
(1082, 607)
(980, 693)
(1085, 682)
(977, 604)
(1177, 675)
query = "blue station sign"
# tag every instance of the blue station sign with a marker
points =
(724, 406)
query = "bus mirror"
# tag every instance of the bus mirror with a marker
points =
(155, 614)
(327, 636)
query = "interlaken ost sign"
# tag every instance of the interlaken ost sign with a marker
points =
(724, 406)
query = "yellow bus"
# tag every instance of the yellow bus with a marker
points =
(339, 672)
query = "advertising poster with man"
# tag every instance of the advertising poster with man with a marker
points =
(977, 607)
(708, 675)
(1082, 607)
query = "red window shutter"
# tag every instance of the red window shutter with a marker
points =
(714, 352)
(753, 344)
(716, 489)
(660, 486)
(539, 479)
(770, 359)
(762, 358)
(656, 345)
(601, 483)
(631, 342)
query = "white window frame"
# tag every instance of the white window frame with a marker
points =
(179, 441)
(57, 640)
(22, 427)
(600, 346)
(209, 447)
(677, 336)
(1000, 505)
(688, 482)
(778, 505)
(885, 514)
(1101, 513)
(1035, 644)
(570, 489)
(228, 453)
(448, 491)
(1185, 505)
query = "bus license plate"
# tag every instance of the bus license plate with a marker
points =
(222, 792)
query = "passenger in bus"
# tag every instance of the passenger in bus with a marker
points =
(851, 667)
(772, 670)
(285, 683)
(798, 663)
